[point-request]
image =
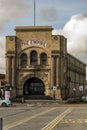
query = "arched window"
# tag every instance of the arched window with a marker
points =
(23, 60)
(33, 58)
(43, 59)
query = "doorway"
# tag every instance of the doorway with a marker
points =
(33, 86)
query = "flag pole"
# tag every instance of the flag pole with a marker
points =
(34, 14)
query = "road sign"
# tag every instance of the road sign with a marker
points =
(80, 88)
(7, 84)
(54, 88)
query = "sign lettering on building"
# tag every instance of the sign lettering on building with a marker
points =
(33, 43)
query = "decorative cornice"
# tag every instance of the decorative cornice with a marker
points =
(10, 53)
(33, 28)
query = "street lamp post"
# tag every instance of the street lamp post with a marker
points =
(74, 90)
(54, 92)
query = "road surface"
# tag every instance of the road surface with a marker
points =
(60, 117)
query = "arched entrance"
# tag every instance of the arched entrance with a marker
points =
(33, 86)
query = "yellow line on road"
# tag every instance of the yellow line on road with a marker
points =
(6, 127)
(74, 121)
(53, 123)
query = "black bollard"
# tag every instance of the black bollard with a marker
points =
(1, 123)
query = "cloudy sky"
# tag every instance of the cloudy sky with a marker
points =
(67, 17)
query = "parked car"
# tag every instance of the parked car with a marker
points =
(4, 102)
(84, 97)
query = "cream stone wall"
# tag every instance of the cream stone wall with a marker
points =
(62, 70)
(77, 75)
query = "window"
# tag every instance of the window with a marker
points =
(43, 59)
(23, 60)
(33, 58)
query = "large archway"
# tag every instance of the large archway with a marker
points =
(33, 86)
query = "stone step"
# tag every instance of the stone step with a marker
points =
(37, 97)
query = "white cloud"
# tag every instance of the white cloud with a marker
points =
(76, 32)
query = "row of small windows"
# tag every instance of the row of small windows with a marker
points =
(34, 58)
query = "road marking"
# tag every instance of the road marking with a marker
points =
(6, 127)
(74, 121)
(54, 122)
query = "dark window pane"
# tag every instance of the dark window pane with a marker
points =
(43, 59)
(33, 58)
(23, 59)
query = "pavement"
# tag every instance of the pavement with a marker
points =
(53, 103)
(38, 103)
